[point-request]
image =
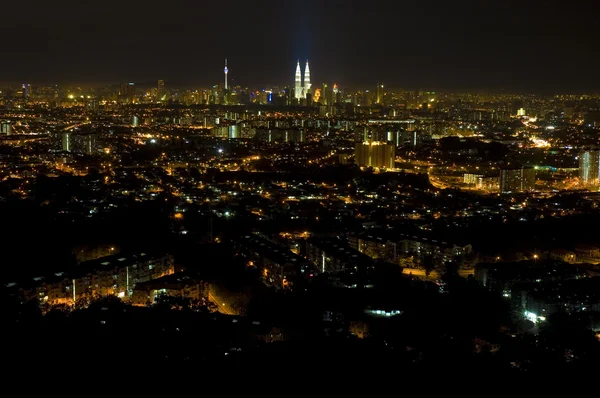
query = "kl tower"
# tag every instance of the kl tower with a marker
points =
(226, 71)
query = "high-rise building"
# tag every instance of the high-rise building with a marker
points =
(325, 95)
(5, 127)
(589, 167)
(131, 93)
(160, 92)
(307, 84)
(298, 92)
(66, 142)
(26, 90)
(518, 179)
(337, 95)
(376, 154)
(302, 87)
(380, 93)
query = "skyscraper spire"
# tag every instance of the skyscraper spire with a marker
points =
(298, 87)
(226, 71)
(307, 84)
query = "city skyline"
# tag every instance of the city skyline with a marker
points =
(532, 47)
(228, 81)
(219, 76)
(266, 188)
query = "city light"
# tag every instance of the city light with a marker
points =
(433, 204)
(539, 143)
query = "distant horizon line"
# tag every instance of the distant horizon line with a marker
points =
(360, 86)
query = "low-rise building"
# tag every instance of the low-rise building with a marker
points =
(334, 255)
(392, 245)
(512, 279)
(111, 275)
(588, 253)
(563, 255)
(279, 266)
(564, 296)
(175, 285)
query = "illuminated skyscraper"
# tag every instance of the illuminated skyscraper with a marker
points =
(160, 92)
(302, 87)
(298, 93)
(131, 93)
(326, 95)
(66, 142)
(26, 90)
(380, 93)
(307, 84)
(589, 167)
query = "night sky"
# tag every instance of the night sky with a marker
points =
(512, 45)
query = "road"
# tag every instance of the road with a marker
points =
(419, 273)
(438, 183)
(222, 307)
(73, 126)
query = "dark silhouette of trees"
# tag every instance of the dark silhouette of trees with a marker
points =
(427, 262)
(165, 302)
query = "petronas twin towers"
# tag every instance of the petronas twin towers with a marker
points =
(302, 87)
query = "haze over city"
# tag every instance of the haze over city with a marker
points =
(508, 45)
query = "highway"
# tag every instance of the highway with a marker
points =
(222, 307)
(437, 183)
(73, 126)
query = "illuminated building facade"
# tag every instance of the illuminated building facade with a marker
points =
(5, 127)
(106, 276)
(380, 93)
(77, 143)
(174, 285)
(375, 154)
(160, 90)
(131, 93)
(521, 179)
(307, 84)
(302, 86)
(589, 167)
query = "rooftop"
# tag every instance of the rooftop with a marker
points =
(178, 280)
(103, 263)
(340, 249)
(269, 250)
(117, 260)
(531, 271)
(384, 235)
